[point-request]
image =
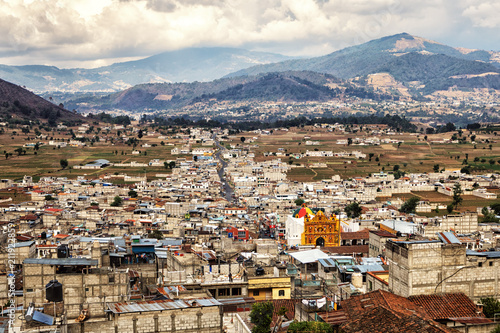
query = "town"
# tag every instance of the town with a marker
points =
(136, 228)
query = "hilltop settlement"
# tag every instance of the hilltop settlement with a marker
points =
(203, 237)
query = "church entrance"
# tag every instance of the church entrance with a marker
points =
(320, 241)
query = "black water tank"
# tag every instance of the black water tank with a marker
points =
(63, 251)
(259, 271)
(54, 291)
(43, 235)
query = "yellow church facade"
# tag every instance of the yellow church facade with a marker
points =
(321, 230)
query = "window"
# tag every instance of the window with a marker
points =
(491, 263)
(256, 293)
(111, 279)
(236, 292)
(29, 290)
(480, 264)
(370, 286)
(281, 293)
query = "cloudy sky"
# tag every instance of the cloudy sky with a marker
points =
(91, 33)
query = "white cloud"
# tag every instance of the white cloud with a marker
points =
(484, 14)
(101, 31)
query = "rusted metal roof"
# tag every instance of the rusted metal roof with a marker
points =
(203, 302)
(160, 305)
(146, 306)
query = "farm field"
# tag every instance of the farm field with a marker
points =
(46, 160)
(414, 155)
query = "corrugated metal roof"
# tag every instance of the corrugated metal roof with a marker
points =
(146, 306)
(24, 244)
(309, 256)
(488, 254)
(204, 302)
(160, 305)
(237, 300)
(448, 237)
(369, 268)
(327, 262)
(62, 261)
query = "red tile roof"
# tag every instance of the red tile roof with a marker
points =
(29, 217)
(472, 320)
(333, 317)
(53, 210)
(347, 249)
(382, 233)
(23, 238)
(362, 234)
(444, 306)
(381, 319)
(356, 305)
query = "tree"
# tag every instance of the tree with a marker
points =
(132, 194)
(156, 234)
(117, 201)
(449, 208)
(409, 205)
(310, 326)
(349, 141)
(299, 201)
(457, 195)
(353, 210)
(140, 134)
(63, 163)
(496, 208)
(242, 139)
(261, 316)
(171, 164)
(490, 306)
(436, 168)
(488, 216)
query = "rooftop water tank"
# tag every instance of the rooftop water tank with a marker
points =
(357, 280)
(54, 291)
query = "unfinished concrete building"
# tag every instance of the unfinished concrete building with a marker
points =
(435, 266)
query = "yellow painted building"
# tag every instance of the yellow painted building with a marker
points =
(267, 288)
(321, 230)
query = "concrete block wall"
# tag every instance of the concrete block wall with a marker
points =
(79, 290)
(436, 267)
(224, 269)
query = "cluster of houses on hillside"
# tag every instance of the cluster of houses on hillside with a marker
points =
(192, 250)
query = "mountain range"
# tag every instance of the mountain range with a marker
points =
(292, 86)
(371, 57)
(187, 65)
(422, 65)
(414, 66)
